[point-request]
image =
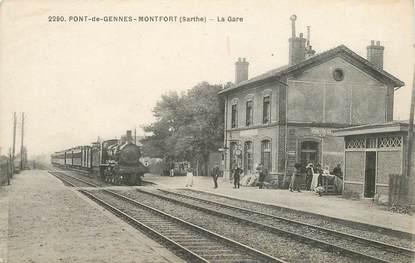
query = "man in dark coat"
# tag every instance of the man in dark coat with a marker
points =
(215, 173)
(262, 174)
(296, 178)
(337, 171)
(236, 176)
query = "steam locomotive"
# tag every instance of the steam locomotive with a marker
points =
(115, 161)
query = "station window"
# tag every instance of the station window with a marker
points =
(249, 113)
(248, 157)
(234, 117)
(266, 110)
(266, 154)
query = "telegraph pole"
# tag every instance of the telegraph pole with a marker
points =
(10, 167)
(135, 135)
(14, 144)
(22, 146)
(410, 131)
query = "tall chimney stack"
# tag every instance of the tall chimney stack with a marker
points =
(129, 137)
(375, 53)
(241, 70)
(297, 47)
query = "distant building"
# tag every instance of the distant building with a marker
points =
(286, 115)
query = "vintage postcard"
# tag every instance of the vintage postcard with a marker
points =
(207, 131)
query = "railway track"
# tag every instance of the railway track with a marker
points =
(356, 247)
(373, 246)
(71, 180)
(352, 245)
(188, 240)
(81, 173)
(389, 236)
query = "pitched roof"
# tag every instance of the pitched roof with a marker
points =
(341, 50)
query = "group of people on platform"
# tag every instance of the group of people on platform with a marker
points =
(315, 176)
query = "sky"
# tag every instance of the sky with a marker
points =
(76, 81)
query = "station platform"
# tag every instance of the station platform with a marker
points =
(41, 220)
(363, 211)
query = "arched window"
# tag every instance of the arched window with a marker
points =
(266, 110)
(249, 112)
(248, 154)
(235, 154)
(234, 116)
(266, 154)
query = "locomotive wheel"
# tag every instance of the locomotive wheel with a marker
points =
(129, 180)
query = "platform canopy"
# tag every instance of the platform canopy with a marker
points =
(393, 126)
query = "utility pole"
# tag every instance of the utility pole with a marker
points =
(14, 144)
(9, 167)
(410, 131)
(22, 146)
(135, 135)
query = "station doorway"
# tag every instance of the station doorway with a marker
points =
(370, 174)
(309, 153)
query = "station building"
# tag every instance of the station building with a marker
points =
(286, 115)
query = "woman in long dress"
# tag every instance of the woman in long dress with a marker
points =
(189, 176)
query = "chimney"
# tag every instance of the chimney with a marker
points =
(129, 137)
(241, 70)
(309, 49)
(375, 54)
(297, 48)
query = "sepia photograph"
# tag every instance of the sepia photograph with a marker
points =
(207, 131)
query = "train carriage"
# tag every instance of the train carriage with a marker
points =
(58, 158)
(68, 157)
(86, 162)
(77, 157)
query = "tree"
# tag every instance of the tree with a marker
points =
(188, 127)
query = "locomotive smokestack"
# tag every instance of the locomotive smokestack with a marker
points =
(129, 137)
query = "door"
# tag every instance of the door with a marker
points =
(309, 153)
(266, 154)
(370, 174)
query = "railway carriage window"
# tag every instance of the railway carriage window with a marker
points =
(249, 113)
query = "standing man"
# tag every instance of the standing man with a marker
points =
(171, 169)
(261, 172)
(237, 176)
(338, 179)
(189, 176)
(296, 178)
(215, 173)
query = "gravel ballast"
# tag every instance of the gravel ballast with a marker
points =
(278, 246)
(317, 220)
(307, 231)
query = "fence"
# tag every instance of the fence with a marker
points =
(401, 189)
(4, 171)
